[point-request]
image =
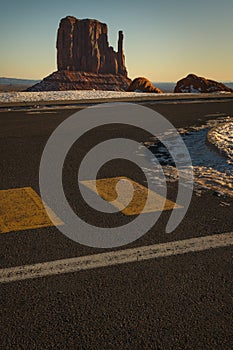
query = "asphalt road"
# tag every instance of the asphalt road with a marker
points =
(176, 302)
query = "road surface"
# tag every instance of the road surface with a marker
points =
(176, 294)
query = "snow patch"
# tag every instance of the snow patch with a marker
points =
(222, 137)
(211, 169)
(78, 95)
(74, 95)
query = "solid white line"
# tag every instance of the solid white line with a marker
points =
(50, 268)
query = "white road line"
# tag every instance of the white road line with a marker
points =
(50, 268)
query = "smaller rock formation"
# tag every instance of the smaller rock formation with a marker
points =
(141, 84)
(194, 84)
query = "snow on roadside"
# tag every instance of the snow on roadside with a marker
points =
(75, 95)
(211, 169)
(222, 137)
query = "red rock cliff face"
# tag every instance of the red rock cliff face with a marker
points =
(82, 45)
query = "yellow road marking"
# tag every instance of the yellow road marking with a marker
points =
(23, 209)
(106, 188)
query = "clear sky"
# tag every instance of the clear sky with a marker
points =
(164, 39)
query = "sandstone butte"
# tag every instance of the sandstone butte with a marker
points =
(85, 60)
(195, 84)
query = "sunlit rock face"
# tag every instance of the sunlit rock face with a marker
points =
(142, 84)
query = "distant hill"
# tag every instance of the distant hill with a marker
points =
(15, 81)
(229, 85)
(165, 87)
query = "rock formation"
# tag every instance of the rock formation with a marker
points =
(85, 60)
(195, 84)
(69, 80)
(143, 85)
(82, 45)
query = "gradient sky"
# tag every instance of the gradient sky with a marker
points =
(164, 39)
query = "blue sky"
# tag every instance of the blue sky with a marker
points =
(164, 39)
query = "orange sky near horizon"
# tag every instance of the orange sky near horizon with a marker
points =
(163, 40)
